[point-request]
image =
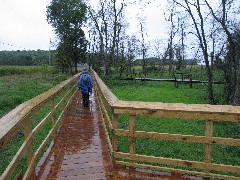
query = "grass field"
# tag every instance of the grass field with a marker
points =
(17, 85)
(17, 88)
(167, 93)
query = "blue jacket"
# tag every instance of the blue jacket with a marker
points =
(85, 89)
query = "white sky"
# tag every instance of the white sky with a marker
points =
(155, 24)
(23, 24)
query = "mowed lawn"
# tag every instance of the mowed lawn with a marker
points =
(163, 92)
(167, 93)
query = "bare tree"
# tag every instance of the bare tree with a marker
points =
(160, 53)
(172, 16)
(232, 74)
(182, 23)
(170, 44)
(179, 57)
(95, 19)
(143, 48)
(108, 22)
(199, 24)
(132, 51)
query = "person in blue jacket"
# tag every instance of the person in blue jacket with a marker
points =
(85, 84)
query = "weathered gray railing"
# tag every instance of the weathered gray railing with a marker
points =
(20, 119)
(110, 104)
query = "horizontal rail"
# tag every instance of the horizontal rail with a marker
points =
(20, 119)
(180, 137)
(13, 120)
(178, 162)
(176, 171)
(110, 105)
(224, 113)
(110, 98)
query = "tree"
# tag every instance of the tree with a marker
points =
(160, 53)
(179, 57)
(195, 11)
(67, 17)
(232, 67)
(108, 21)
(117, 13)
(143, 50)
(25, 58)
(131, 52)
(170, 44)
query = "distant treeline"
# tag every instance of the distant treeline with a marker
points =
(41, 57)
(153, 60)
(26, 58)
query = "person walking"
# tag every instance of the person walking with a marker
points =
(85, 84)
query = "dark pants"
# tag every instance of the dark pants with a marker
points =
(85, 97)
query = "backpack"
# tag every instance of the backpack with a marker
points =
(86, 80)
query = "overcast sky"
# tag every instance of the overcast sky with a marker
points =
(23, 24)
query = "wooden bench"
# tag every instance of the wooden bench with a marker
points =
(182, 77)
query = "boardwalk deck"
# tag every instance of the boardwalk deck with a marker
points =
(80, 151)
(170, 80)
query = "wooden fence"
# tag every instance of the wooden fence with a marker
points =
(112, 108)
(20, 120)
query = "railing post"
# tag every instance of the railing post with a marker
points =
(115, 137)
(53, 112)
(208, 146)
(132, 129)
(63, 100)
(27, 132)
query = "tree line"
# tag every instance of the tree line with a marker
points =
(208, 30)
(27, 58)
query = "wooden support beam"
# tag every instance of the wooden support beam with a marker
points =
(177, 171)
(179, 110)
(115, 137)
(28, 132)
(179, 162)
(53, 112)
(180, 137)
(208, 146)
(132, 130)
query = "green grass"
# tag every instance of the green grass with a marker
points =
(26, 70)
(167, 93)
(15, 90)
(18, 88)
(12, 147)
(158, 92)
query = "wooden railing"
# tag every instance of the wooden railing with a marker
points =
(20, 120)
(56, 100)
(111, 108)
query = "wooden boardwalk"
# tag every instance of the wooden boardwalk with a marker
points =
(79, 151)
(170, 80)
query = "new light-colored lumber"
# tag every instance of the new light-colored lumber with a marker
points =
(177, 171)
(179, 110)
(132, 130)
(13, 120)
(108, 95)
(179, 162)
(180, 137)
